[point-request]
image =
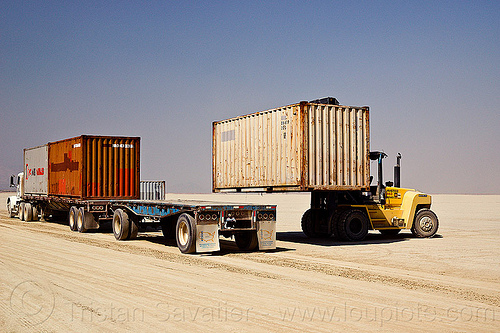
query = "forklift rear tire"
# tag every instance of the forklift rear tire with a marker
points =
(352, 225)
(246, 241)
(425, 224)
(307, 224)
(334, 222)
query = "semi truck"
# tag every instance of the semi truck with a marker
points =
(323, 148)
(89, 180)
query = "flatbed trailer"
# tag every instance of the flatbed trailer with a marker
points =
(196, 225)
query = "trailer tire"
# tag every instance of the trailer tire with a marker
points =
(425, 224)
(246, 241)
(34, 213)
(21, 211)
(185, 233)
(353, 225)
(72, 217)
(42, 214)
(121, 224)
(28, 212)
(80, 220)
(134, 230)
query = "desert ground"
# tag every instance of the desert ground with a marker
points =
(56, 280)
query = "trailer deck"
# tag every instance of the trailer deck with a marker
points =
(253, 226)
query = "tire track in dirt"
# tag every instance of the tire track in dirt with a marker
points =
(127, 247)
(367, 276)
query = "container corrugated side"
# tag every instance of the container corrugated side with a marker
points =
(153, 189)
(301, 146)
(258, 150)
(36, 170)
(337, 147)
(95, 167)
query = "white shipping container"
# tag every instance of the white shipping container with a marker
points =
(299, 147)
(36, 170)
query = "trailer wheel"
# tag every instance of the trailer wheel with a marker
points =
(72, 217)
(28, 212)
(34, 213)
(42, 214)
(121, 224)
(134, 230)
(80, 220)
(185, 232)
(21, 211)
(246, 241)
(425, 224)
(352, 225)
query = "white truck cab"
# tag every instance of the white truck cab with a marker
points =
(14, 201)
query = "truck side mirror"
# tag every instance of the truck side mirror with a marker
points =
(12, 181)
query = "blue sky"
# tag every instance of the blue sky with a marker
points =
(164, 70)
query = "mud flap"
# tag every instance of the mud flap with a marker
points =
(89, 221)
(266, 235)
(207, 238)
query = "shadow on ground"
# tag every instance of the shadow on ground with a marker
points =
(228, 246)
(371, 238)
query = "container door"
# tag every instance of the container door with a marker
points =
(337, 147)
(36, 170)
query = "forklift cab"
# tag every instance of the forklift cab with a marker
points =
(378, 191)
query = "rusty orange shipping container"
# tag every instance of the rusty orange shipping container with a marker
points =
(95, 167)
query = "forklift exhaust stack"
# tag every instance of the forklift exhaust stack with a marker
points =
(397, 171)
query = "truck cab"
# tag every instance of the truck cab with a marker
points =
(14, 201)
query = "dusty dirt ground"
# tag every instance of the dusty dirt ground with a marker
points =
(55, 280)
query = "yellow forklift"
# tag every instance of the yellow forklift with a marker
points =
(388, 208)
